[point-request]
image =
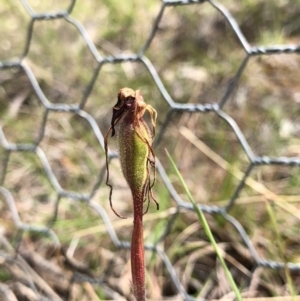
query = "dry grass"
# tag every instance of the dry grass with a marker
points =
(196, 55)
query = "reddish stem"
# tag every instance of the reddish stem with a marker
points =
(137, 250)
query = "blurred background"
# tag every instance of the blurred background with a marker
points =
(197, 55)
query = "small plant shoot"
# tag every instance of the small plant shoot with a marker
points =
(138, 166)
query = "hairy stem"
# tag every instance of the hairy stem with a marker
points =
(137, 253)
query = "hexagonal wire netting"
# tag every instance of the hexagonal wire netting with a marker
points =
(216, 108)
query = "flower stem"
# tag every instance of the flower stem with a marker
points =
(137, 253)
(137, 158)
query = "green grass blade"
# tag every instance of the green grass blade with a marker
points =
(290, 283)
(209, 234)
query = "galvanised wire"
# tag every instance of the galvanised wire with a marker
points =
(78, 109)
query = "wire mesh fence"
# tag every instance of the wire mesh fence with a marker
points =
(78, 109)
